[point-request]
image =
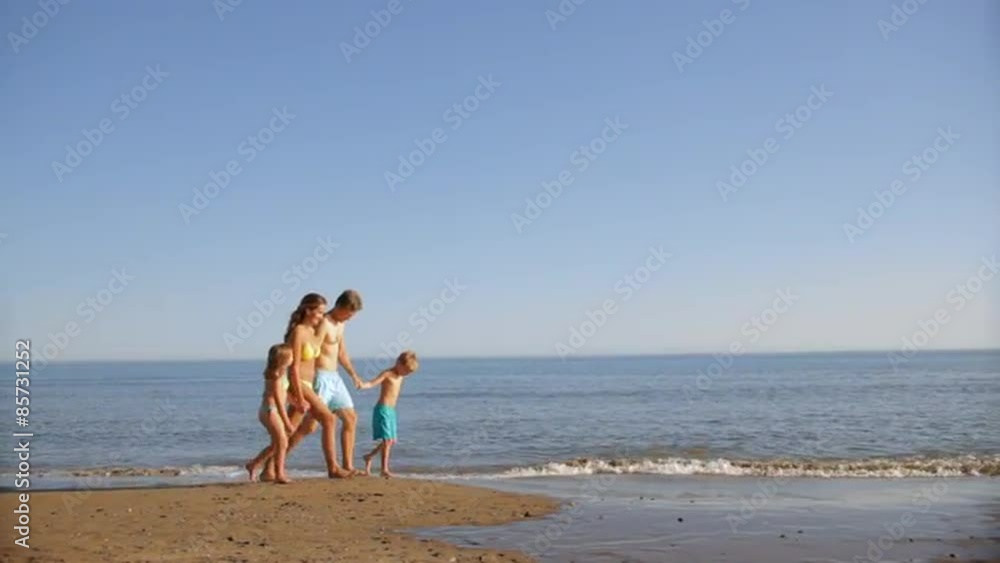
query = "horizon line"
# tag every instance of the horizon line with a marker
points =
(554, 357)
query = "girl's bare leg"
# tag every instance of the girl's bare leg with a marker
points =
(279, 444)
(385, 458)
(275, 452)
(296, 417)
(254, 464)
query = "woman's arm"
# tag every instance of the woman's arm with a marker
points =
(295, 386)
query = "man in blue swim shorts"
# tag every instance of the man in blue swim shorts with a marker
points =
(328, 384)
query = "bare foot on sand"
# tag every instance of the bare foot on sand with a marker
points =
(386, 474)
(251, 471)
(368, 463)
(338, 473)
(268, 474)
(282, 480)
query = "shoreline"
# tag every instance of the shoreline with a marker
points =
(599, 518)
(314, 520)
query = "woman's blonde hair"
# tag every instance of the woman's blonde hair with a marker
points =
(278, 355)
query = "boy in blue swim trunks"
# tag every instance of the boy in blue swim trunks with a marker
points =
(384, 417)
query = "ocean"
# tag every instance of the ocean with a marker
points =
(693, 459)
(808, 415)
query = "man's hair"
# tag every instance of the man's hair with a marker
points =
(350, 300)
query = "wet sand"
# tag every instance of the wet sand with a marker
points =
(315, 520)
(650, 519)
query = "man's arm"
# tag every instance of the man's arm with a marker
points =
(345, 360)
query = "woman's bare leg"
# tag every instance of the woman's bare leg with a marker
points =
(303, 428)
(321, 414)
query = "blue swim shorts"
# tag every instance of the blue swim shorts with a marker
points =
(331, 390)
(384, 423)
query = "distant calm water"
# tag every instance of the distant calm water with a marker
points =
(818, 414)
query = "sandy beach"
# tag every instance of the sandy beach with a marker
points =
(314, 520)
(603, 519)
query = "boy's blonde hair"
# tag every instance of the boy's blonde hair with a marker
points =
(409, 359)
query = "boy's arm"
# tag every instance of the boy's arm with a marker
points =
(345, 360)
(375, 382)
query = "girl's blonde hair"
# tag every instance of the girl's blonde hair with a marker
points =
(278, 355)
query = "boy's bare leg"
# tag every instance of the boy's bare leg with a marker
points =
(386, 448)
(350, 419)
(368, 457)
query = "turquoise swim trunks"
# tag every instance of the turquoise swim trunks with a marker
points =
(384, 423)
(331, 390)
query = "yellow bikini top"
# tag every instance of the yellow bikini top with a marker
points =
(309, 351)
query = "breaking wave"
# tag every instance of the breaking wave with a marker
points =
(971, 466)
(884, 468)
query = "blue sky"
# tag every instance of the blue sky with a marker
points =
(220, 80)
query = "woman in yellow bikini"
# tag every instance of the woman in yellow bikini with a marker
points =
(302, 336)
